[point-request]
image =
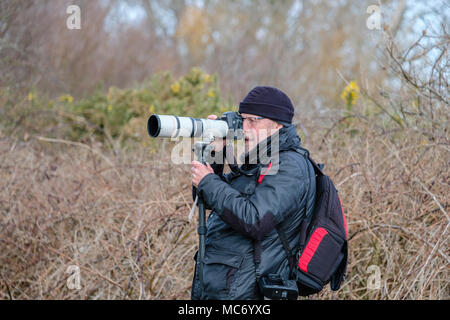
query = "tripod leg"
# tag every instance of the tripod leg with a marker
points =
(201, 232)
(200, 151)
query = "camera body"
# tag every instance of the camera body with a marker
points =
(275, 288)
(235, 124)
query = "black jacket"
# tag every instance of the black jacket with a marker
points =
(247, 205)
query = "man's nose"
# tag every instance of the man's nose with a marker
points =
(245, 127)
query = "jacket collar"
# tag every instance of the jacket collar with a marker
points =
(263, 153)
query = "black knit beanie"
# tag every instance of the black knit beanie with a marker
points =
(268, 102)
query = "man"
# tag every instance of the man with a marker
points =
(250, 205)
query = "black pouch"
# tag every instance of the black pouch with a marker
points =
(275, 288)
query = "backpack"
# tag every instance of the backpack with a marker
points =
(321, 255)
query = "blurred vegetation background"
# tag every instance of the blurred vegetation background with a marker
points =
(81, 183)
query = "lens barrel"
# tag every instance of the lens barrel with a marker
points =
(169, 126)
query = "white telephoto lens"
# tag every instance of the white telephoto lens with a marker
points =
(168, 126)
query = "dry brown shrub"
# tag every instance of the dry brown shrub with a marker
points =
(121, 221)
(124, 220)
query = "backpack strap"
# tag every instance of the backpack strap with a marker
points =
(303, 234)
(287, 249)
(317, 167)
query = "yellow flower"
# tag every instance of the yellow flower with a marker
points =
(151, 109)
(350, 93)
(110, 107)
(30, 96)
(211, 93)
(175, 87)
(353, 86)
(66, 98)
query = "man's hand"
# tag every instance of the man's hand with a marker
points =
(199, 171)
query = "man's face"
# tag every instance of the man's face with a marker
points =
(257, 130)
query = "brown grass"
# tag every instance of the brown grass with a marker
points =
(124, 220)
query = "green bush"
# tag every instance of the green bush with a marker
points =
(122, 114)
(115, 116)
